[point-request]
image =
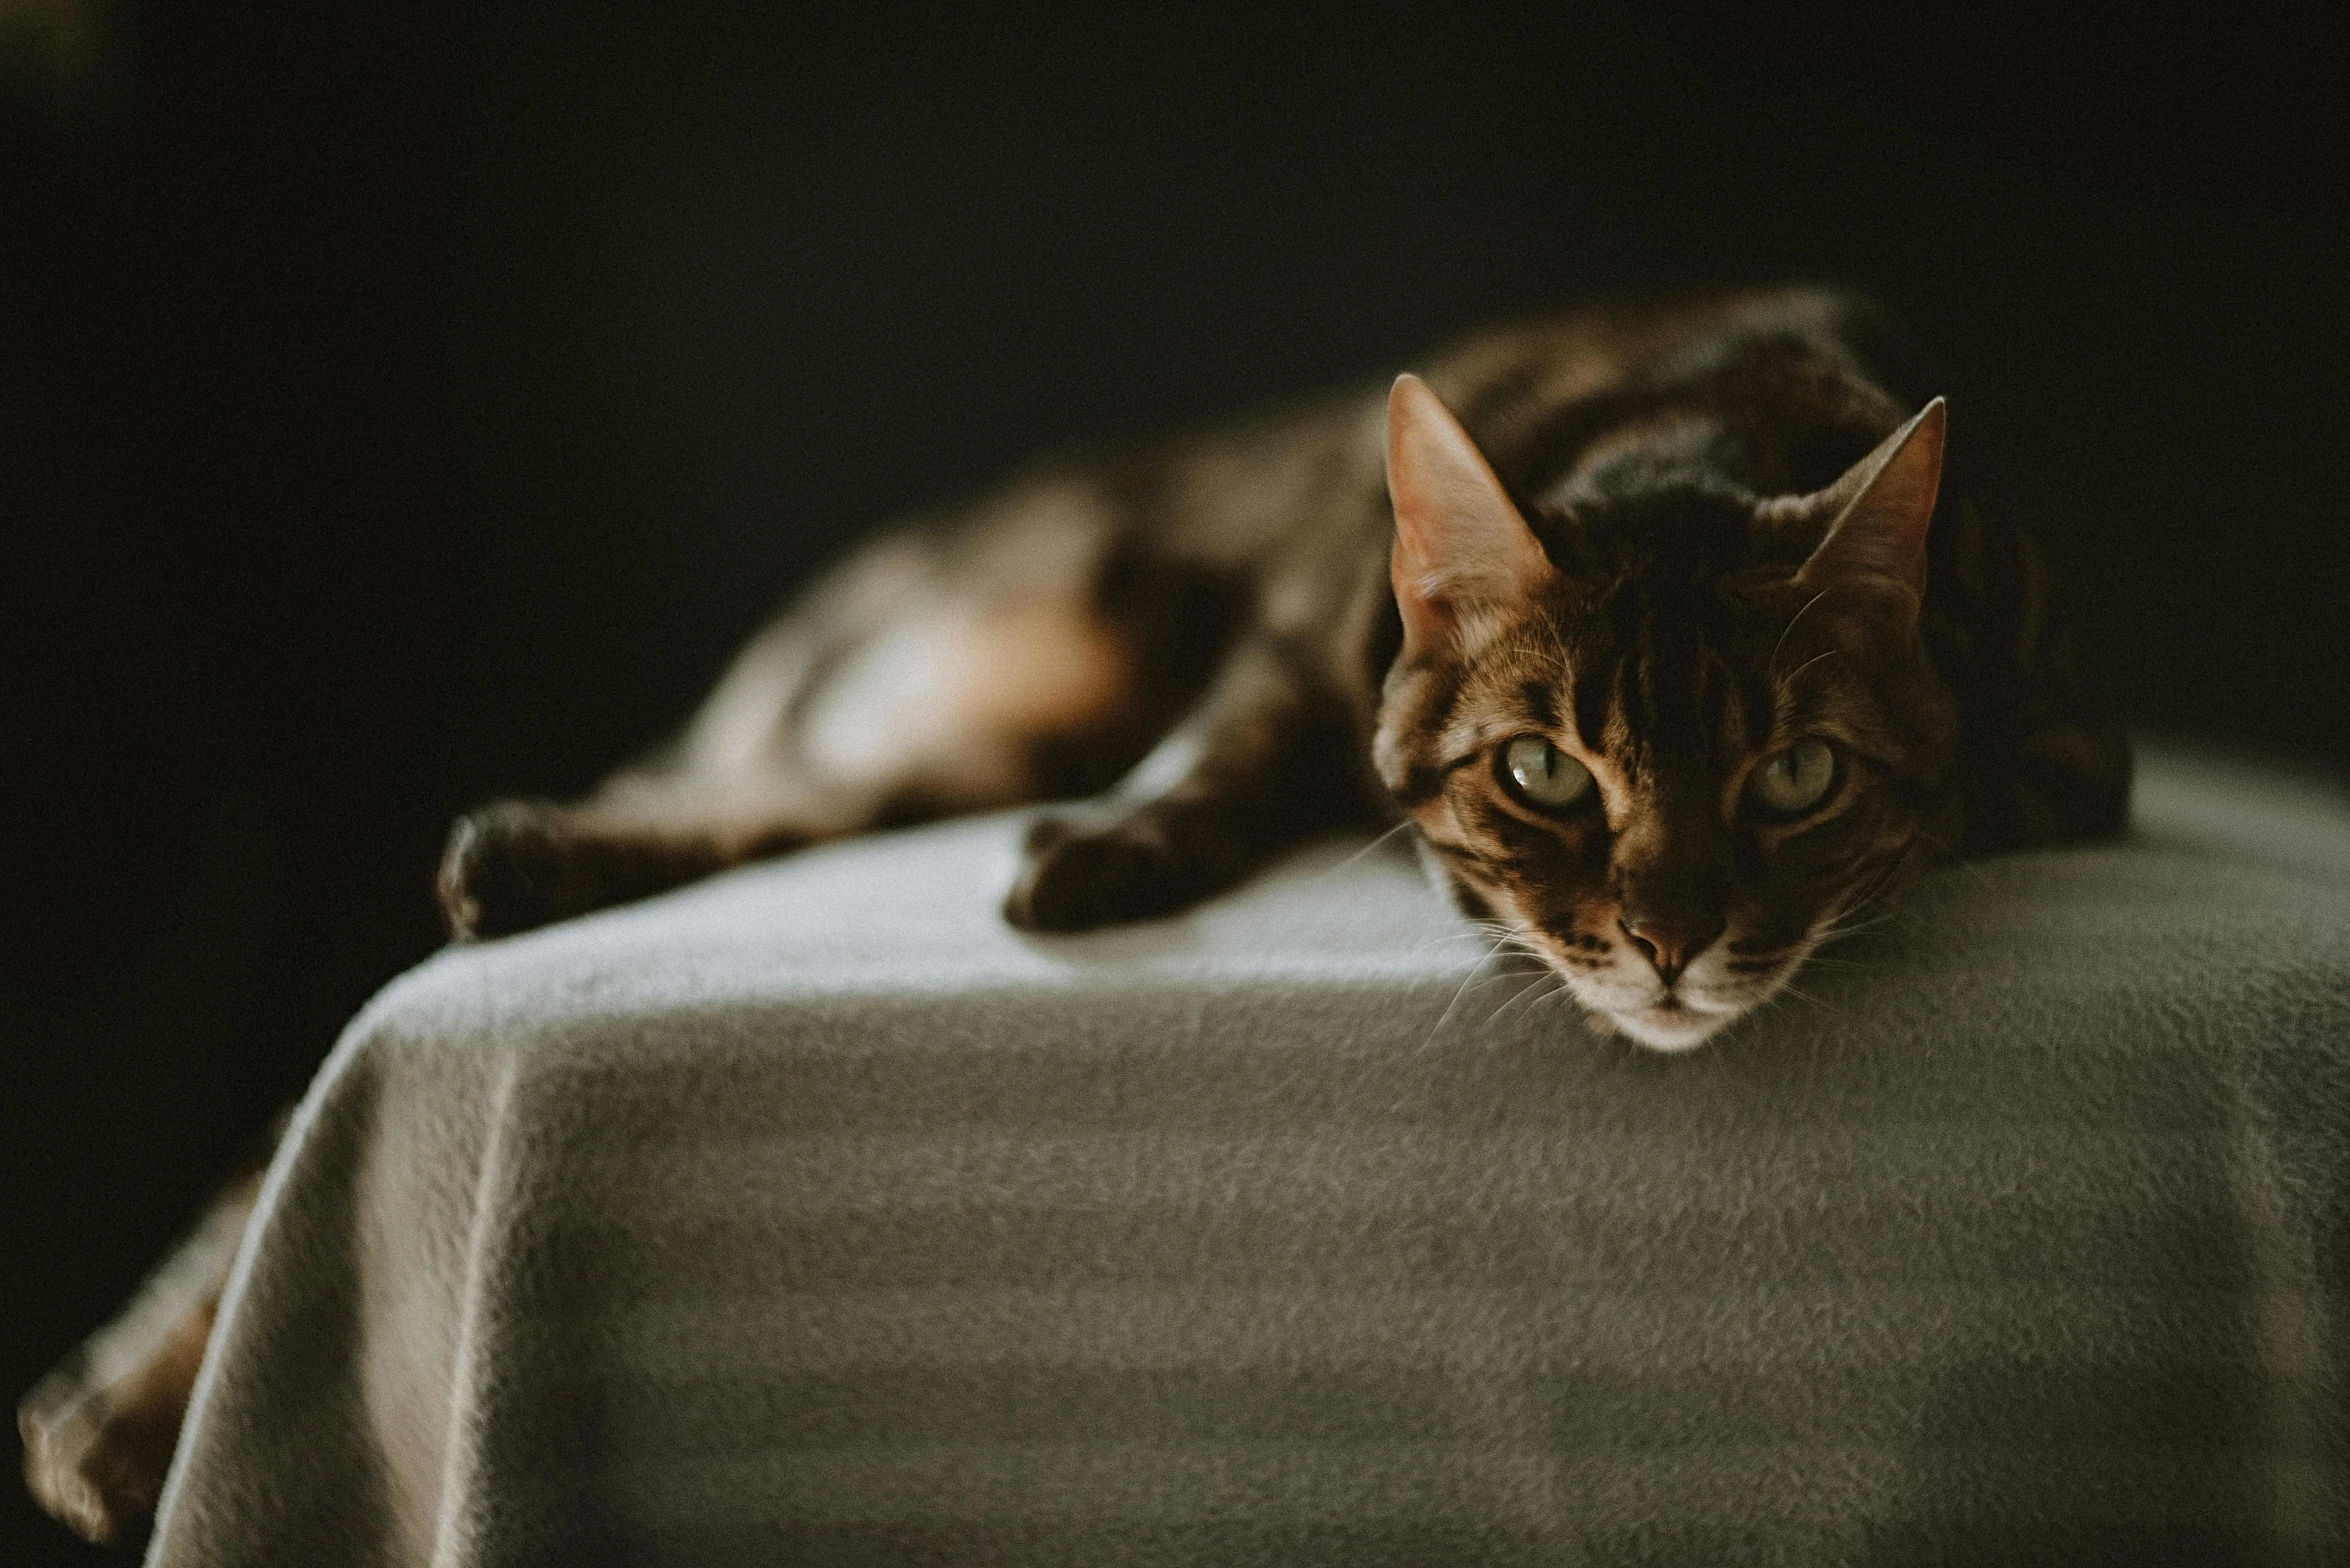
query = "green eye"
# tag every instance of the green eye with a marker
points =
(1542, 775)
(1794, 780)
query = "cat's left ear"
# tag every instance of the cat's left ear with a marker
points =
(1876, 540)
(1460, 545)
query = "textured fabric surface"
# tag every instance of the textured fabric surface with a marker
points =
(813, 1216)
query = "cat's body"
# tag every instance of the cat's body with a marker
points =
(1677, 684)
(1221, 613)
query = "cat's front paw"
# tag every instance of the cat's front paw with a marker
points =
(1077, 875)
(95, 1456)
(507, 868)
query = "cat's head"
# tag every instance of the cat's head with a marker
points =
(1676, 749)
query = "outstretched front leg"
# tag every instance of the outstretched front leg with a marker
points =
(895, 694)
(1259, 765)
(517, 864)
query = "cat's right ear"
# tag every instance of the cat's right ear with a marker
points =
(1461, 551)
(1878, 515)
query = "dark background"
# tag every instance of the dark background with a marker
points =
(402, 407)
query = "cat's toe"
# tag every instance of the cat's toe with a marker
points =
(504, 871)
(94, 1463)
(1075, 877)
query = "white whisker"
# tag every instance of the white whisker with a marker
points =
(1533, 989)
(1790, 988)
(1789, 679)
(1366, 849)
(1466, 981)
(1772, 663)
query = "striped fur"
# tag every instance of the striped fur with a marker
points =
(1211, 632)
(1208, 638)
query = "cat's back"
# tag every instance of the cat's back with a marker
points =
(1282, 519)
(1773, 391)
(1792, 367)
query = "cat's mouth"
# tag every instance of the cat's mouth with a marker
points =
(1695, 1007)
(1672, 1022)
(1664, 1017)
(1623, 994)
(1679, 1016)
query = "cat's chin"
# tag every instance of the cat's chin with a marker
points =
(1670, 1027)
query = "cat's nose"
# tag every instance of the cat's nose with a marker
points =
(1670, 944)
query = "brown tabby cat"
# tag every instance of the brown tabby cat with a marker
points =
(1650, 653)
(1657, 645)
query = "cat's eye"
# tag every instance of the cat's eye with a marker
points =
(1543, 776)
(1794, 780)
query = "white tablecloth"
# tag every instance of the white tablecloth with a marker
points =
(812, 1215)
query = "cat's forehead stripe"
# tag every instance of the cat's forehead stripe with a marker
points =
(1592, 694)
(1634, 672)
(1540, 707)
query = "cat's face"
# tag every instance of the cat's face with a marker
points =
(1674, 765)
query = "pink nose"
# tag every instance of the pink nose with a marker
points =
(1671, 944)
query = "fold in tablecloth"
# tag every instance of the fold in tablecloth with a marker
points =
(813, 1216)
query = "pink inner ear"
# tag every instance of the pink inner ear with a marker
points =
(1459, 540)
(1882, 507)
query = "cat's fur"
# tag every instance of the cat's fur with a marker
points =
(1703, 536)
(1670, 541)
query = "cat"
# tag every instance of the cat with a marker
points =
(1652, 645)
(1650, 623)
